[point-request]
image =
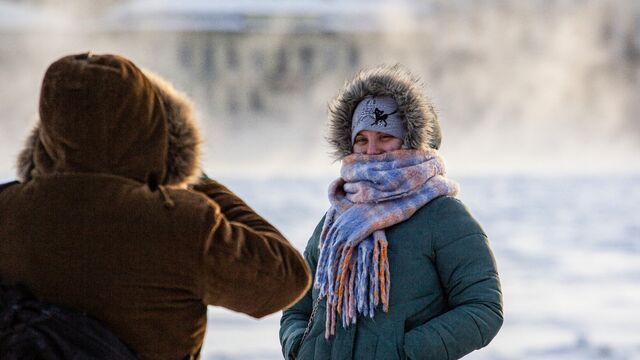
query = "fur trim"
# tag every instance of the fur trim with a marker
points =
(423, 128)
(183, 158)
(183, 155)
(26, 164)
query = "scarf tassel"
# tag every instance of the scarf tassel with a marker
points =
(362, 275)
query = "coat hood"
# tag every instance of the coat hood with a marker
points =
(102, 114)
(421, 120)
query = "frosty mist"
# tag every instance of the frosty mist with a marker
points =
(540, 86)
(537, 86)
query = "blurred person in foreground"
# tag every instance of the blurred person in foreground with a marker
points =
(401, 268)
(103, 220)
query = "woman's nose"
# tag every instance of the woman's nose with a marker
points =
(373, 148)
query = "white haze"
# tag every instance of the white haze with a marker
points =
(541, 87)
(523, 88)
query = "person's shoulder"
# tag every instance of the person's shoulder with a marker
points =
(7, 186)
(188, 195)
(4, 185)
(442, 207)
(190, 206)
(449, 216)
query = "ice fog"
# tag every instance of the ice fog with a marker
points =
(537, 87)
(538, 102)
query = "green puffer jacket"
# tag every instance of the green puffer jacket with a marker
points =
(445, 298)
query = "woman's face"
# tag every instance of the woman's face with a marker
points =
(374, 143)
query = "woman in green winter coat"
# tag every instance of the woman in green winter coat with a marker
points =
(401, 269)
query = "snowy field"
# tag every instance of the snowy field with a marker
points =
(568, 252)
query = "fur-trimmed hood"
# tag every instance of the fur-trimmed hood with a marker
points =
(102, 114)
(421, 120)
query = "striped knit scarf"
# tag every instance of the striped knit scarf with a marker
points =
(373, 193)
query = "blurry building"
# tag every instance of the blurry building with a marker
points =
(249, 57)
(544, 74)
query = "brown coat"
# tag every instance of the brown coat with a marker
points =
(102, 220)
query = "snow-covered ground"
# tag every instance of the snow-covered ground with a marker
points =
(568, 251)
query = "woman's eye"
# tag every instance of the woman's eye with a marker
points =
(361, 141)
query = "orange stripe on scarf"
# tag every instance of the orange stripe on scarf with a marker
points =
(383, 278)
(341, 285)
